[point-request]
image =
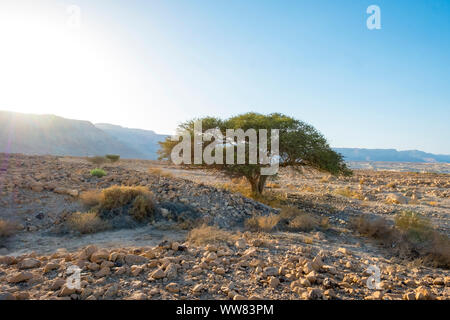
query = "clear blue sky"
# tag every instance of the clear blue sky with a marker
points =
(314, 60)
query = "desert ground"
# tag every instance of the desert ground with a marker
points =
(311, 236)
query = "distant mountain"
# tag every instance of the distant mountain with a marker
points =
(391, 155)
(146, 141)
(49, 134)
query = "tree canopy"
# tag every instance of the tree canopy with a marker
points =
(299, 145)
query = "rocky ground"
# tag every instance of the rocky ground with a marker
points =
(162, 261)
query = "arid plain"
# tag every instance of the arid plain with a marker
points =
(192, 234)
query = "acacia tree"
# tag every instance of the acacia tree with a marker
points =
(300, 145)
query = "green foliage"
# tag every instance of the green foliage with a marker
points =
(300, 145)
(112, 157)
(98, 173)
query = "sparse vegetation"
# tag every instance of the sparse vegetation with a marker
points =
(262, 223)
(98, 173)
(97, 160)
(91, 198)
(417, 227)
(210, 234)
(113, 157)
(86, 223)
(349, 193)
(110, 203)
(289, 219)
(412, 236)
(300, 145)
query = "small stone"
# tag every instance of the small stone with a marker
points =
(240, 243)
(158, 274)
(173, 287)
(29, 263)
(274, 282)
(19, 277)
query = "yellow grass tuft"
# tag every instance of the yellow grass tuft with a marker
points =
(210, 234)
(86, 222)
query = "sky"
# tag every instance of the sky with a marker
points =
(154, 64)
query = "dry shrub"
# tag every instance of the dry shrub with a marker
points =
(377, 228)
(159, 172)
(210, 234)
(7, 228)
(417, 227)
(412, 237)
(97, 160)
(119, 196)
(142, 206)
(349, 193)
(269, 198)
(155, 171)
(86, 222)
(91, 198)
(262, 223)
(298, 220)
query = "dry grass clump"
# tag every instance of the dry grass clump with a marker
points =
(290, 219)
(7, 228)
(119, 196)
(412, 237)
(86, 223)
(262, 223)
(91, 198)
(417, 227)
(159, 172)
(210, 234)
(112, 203)
(298, 220)
(349, 193)
(269, 198)
(97, 160)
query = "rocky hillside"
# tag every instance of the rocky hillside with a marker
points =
(146, 141)
(392, 155)
(49, 134)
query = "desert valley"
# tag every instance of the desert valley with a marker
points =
(313, 236)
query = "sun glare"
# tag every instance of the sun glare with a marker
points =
(48, 66)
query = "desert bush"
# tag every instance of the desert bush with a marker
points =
(119, 196)
(298, 220)
(417, 227)
(112, 157)
(378, 228)
(86, 223)
(91, 198)
(97, 160)
(349, 193)
(159, 172)
(98, 173)
(262, 223)
(270, 198)
(142, 207)
(412, 237)
(210, 234)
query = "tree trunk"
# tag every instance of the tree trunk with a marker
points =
(257, 184)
